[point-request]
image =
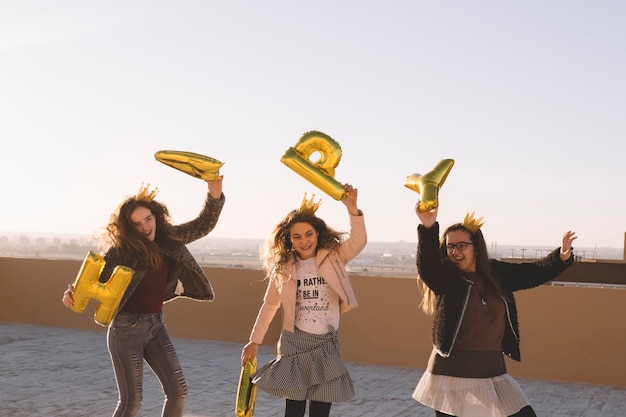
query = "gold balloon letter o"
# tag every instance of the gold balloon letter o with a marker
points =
(321, 172)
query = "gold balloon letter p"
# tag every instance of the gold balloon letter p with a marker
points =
(109, 295)
(428, 185)
(321, 172)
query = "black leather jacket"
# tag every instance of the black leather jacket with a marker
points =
(452, 289)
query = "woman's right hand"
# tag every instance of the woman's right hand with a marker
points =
(68, 296)
(248, 353)
(427, 218)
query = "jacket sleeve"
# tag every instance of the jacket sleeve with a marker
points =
(204, 223)
(431, 268)
(521, 276)
(357, 240)
(271, 303)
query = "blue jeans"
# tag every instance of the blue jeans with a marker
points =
(133, 338)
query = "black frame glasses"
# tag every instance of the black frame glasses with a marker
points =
(461, 246)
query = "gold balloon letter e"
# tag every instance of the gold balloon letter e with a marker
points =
(321, 172)
(109, 295)
(428, 185)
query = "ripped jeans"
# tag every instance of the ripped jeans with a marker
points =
(133, 338)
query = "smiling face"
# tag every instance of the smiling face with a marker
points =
(465, 259)
(144, 222)
(303, 238)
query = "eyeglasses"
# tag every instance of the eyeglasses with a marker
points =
(460, 246)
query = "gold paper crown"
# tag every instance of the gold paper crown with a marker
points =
(144, 193)
(309, 206)
(472, 224)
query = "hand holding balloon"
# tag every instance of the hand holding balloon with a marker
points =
(350, 199)
(427, 218)
(321, 172)
(428, 185)
(215, 187)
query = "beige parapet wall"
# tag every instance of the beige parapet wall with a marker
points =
(569, 333)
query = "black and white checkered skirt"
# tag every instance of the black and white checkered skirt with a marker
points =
(308, 366)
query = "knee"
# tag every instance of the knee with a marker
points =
(129, 406)
(178, 392)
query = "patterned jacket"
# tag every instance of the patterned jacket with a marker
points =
(452, 289)
(186, 277)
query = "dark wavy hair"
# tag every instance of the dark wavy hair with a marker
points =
(278, 249)
(134, 249)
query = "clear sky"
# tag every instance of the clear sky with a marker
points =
(528, 98)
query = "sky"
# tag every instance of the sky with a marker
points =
(528, 98)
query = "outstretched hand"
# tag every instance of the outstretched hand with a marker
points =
(566, 246)
(427, 218)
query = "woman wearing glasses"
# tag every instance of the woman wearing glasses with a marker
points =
(475, 318)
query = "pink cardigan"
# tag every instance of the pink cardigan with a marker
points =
(331, 266)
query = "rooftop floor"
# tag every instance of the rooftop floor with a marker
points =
(54, 372)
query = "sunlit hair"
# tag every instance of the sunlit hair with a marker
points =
(133, 248)
(483, 266)
(278, 249)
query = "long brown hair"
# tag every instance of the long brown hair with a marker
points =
(134, 249)
(483, 266)
(278, 249)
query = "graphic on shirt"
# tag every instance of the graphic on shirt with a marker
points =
(317, 304)
(309, 289)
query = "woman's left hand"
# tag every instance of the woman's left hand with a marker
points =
(566, 246)
(350, 199)
(215, 188)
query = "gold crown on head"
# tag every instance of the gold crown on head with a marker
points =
(145, 194)
(472, 224)
(309, 206)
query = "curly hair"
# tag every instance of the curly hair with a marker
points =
(483, 266)
(278, 249)
(133, 248)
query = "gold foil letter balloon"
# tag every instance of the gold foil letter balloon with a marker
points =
(246, 391)
(109, 294)
(194, 164)
(322, 171)
(428, 185)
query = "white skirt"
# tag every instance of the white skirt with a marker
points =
(500, 396)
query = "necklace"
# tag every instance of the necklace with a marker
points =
(483, 296)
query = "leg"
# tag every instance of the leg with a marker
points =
(162, 358)
(295, 408)
(525, 412)
(124, 341)
(319, 409)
